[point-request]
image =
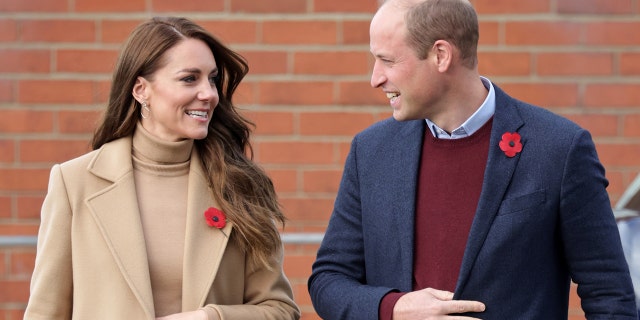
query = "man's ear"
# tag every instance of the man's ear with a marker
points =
(140, 90)
(443, 51)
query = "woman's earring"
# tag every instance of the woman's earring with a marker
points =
(145, 108)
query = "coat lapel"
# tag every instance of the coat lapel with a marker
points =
(204, 245)
(497, 178)
(115, 210)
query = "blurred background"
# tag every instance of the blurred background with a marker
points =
(307, 91)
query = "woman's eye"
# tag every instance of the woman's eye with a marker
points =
(213, 79)
(189, 79)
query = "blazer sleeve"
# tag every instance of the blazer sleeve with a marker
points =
(590, 236)
(267, 296)
(51, 291)
(338, 284)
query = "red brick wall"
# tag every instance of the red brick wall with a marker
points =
(308, 91)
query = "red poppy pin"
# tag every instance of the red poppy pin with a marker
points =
(215, 218)
(510, 144)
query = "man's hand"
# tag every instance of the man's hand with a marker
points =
(433, 304)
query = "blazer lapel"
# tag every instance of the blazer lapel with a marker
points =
(497, 177)
(115, 210)
(204, 245)
(402, 172)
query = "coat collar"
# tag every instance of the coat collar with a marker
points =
(115, 210)
(497, 176)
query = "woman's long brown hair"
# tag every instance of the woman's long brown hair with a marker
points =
(242, 189)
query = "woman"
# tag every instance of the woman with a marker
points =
(167, 218)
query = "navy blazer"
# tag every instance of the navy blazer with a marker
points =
(543, 219)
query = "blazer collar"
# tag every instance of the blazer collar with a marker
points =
(497, 177)
(115, 210)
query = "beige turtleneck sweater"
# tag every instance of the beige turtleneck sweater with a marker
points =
(161, 172)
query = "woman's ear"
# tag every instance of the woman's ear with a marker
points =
(140, 90)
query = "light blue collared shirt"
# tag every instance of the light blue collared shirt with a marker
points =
(475, 122)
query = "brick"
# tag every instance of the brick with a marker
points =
(334, 123)
(309, 315)
(25, 121)
(101, 91)
(360, 93)
(322, 181)
(355, 32)
(295, 153)
(296, 266)
(24, 61)
(631, 125)
(33, 6)
(269, 6)
(489, 33)
(297, 32)
(542, 33)
(29, 207)
(3, 270)
(5, 211)
(7, 150)
(78, 121)
(266, 62)
(616, 186)
(232, 32)
(618, 154)
(284, 180)
(6, 90)
(117, 31)
(511, 7)
(574, 64)
(504, 63)
(630, 63)
(9, 29)
(187, 5)
(48, 151)
(246, 93)
(14, 291)
(17, 314)
(22, 229)
(600, 7)
(301, 293)
(613, 33)
(612, 95)
(599, 125)
(23, 179)
(58, 31)
(22, 263)
(295, 92)
(331, 63)
(544, 94)
(86, 61)
(355, 6)
(55, 91)
(272, 123)
(307, 209)
(110, 6)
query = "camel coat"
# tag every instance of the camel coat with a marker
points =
(92, 262)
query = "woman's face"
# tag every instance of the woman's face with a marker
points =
(182, 94)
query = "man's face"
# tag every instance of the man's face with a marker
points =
(410, 83)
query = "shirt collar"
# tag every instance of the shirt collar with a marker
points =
(473, 123)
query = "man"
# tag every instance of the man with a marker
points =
(467, 203)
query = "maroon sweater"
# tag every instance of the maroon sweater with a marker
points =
(449, 185)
